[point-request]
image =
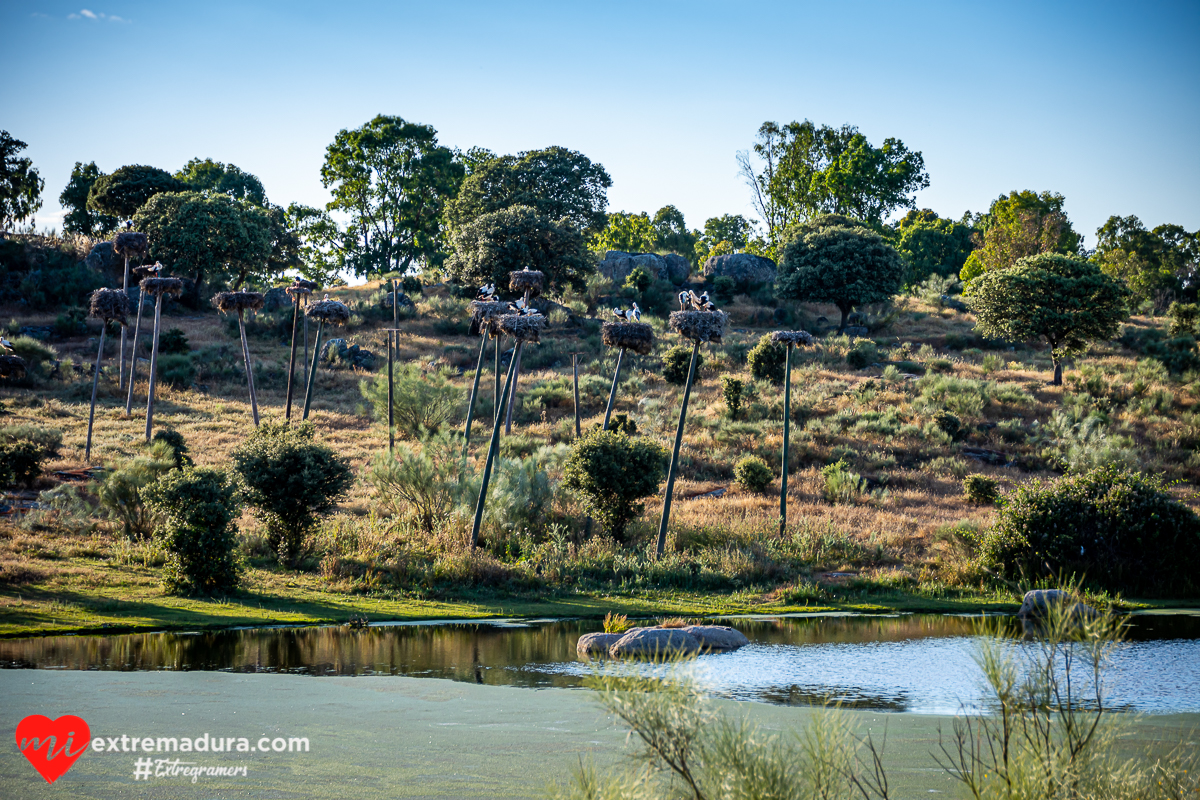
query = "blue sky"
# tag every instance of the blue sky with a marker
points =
(1099, 101)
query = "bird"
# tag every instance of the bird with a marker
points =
(6, 344)
(685, 299)
(620, 313)
(702, 302)
(157, 268)
(529, 312)
(519, 304)
(128, 224)
(487, 294)
(634, 314)
(326, 298)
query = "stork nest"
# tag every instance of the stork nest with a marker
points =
(160, 286)
(699, 326)
(12, 367)
(526, 281)
(330, 311)
(792, 338)
(302, 283)
(144, 271)
(237, 301)
(635, 336)
(523, 329)
(131, 244)
(482, 313)
(109, 304)
(298, 290)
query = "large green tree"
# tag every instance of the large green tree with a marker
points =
(1022, 224)
(1065, 300)
(79, 218)
(123, 192)
(20, 184)
(206, 175)
(672, 234)
(629, 233)
(392, 179)
(556, 182)
(932, 245)
(1155, 264)
(208, 238)
(845, 266)
(800, 170)
(490, 247)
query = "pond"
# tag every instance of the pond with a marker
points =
(904, 662)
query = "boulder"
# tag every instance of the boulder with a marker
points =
(101, 258)
(745, 268)
(660, 642)
(856, 330)
(276, 299)
(617, 265)
(1038, 602)
(678, 268)
(341, 351)
(596, 644)
(718, 637)
(402, 300)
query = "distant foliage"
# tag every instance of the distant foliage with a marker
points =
(173, 340)
(422, 482)
(767, 360)
(863, 355)
(731, 392)
(676, 362)
(841, 484)
(121, 492)
(1116, 530)
(422, 402)
(197, 508)
(613, 472)
(980, 489)
(753, 474)
(20, 463)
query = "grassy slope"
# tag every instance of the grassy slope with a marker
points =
(53, 580)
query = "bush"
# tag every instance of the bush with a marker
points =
(1114, 529)
(174, 440)
(842, 485)
(638, 280)
(176, 370)
(421, 483)
(1185, 318)
(863, 355)
(980, 489)
(20, 462)
(753, 474)
(121, 492)
(767, 360)
(421, 401)
(725, 287)
(38, 355)
(290, 479)
(731, 391)
(676, 362)
(47, 439)
(948, 424)
(173, 340)
(612, 472)
(621, 423)
(197, 507)
(72, 322)
(411, 284)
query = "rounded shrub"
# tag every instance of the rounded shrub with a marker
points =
(676, 361)
(176, 370)
(862, 356)
(612, 473)
(175, 341)
(767, 360)
(1115, 530)
(948, 424)
(20, 462)
(753, 474)
(197, 508)
(731, 392)
(980, 489)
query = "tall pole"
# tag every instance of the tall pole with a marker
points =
(87, 450)
(612, 395)
(499, 339)
(491, 457)
(395, 311)
(474, 392)
(137, 326)
(787, 419)
(305, 330)
(249, 368)
(512, 390)
(666, 512)
(312, 375)
(287, 415)
(575, 372)
(153, 365)
(391, 393)
(121, 368)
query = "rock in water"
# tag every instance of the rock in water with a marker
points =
(1038, 602)
(742, 267)
(596, 644)
(662, 642)
(718, 637)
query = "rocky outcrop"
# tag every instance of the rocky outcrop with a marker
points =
(1037, 604)
(745, 268)
(275, 299)
(718, 637)
(402, 299)
(662, 642)
(342, 352)
(678, 268)
(596, 644)
(102, 259)
(617, 265)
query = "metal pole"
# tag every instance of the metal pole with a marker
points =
(666, 512)
(312, 375)
(575, 371)
(287, 415)
(474, 392)
(391, 395)
(249, 368)
(499, 339)
(491, 457)
(87, 450)
(512, 392)
(612, 395)
(153, 365)
(787, 419)
(137, 326)
(395, 312)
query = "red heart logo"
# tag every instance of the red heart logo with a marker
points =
(48, 743)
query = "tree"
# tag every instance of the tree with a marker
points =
(931, 245)
(728, 233)
(123, 192)
(74, 198)
(393, 180)
(1022, 224)
(207, 237)
(672, 234)
(841, 265)
(1153, 264)
(497, 243)
(629, 233)
(612, 472)
(803, 170)
(556, 182)
(323, 245)
(228, 179)
(1066, 301)
(20, 184)
(197, 508)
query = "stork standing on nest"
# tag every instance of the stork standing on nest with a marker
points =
(7, 345)
(487, 294)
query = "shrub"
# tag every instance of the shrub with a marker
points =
(1185, 318)
(612, 472)
(121, 492)
(72, 322)
(676, 361)
(62, 509)
(1114, 529)
(948, 423)
(176, 370)
(638, 280)
(767, 360)
(38, 355)
(621, 423)
(753, 474)
(290, 479)
(421, 401)
(411, 284)
(197, 507)
(173, 340)
(863, 355)
(420, 483)
(725, 287)
(980, 489)
(842, 485)
(47, 439)
(731, 391)
(20, 462)
(174, 440)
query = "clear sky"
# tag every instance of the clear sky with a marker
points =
(1097, 100)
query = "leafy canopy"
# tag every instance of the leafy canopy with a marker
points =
(490, 247)
(212, 176)
(197, 508)
(672, 234)
(629, 233)
(1022, 224)
(612, 471)
(123, 192)
(1066, 301)
(79, 217)
(20, 184)
(1153, 264)
(932, 245)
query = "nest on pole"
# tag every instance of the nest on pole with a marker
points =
(109, 304)
(523, 329)
(635, 336)
(161, 286)
(526, 281)
(237, 301)
(296, 290)
(792, 338)
(308, 286)
(131, 244)
(482, 313)
(12, 367)
(330, 312)
(146, 271)
(699, 326)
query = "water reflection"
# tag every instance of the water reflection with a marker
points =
(920, 663)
